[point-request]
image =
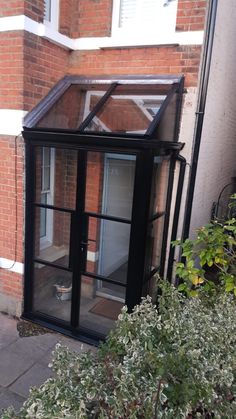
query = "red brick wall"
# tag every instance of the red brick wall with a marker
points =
(191, 15)
(11, 183)
(11, 70)
(91, 18)
(66, 16)
(155, 60)
(31, 8)
(44, 65)
(11, 284)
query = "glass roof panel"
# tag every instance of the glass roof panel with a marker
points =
(70, 109)
(130, 107)
(126, 111)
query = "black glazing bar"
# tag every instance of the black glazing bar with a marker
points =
(167, 217)
(161, 111)
(52, 207)
(78, 229)
(182, 161)
(29, 226)
(178, 109)
(63, 327)
(97, 107)
(102, 278)
(156, 216)
(138, 233)
(52, 264)
(108, 217)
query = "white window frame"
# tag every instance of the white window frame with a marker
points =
(163, 30)
(53, 20)
(47, 240)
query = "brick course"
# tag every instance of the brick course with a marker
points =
(191, 15)
(154, 60)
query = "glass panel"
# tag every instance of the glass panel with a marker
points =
(108, 249)
(98, 312)
(71, 108)
(52, 291)
(166, 128)
(159, 185)
(58, 178)
(127, 110)
(52, 236)
(155, 234)
(110, 184)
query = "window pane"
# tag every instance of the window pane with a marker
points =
(58, 180)
(52, 291)
(159, 185)
(98, 312)
(166, 128)
(154, 246)
(52, 236)
(72, 107)
(110, 184)
(47, 10)
(136, 112)
(108, 249)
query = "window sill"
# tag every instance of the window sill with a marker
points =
(21, 22)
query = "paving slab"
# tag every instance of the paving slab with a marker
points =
(34, 377)
(12, 366)
(24, 360)
(7, 399)
(34, 346)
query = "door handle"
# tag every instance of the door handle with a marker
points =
(84, 243)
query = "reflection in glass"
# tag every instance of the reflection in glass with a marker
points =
(128, 112)
(56, 173)
(159, 185)
(52, 291)
(155, 234)
(110, 184)
(108, 249)
(98, 311)
(52, 242)
(166, 128)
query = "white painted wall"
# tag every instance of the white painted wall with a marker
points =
(217, 156)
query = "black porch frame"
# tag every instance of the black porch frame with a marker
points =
(144, 148)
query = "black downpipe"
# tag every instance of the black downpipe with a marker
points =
(167, 215)
(183, 163)
(205, 71)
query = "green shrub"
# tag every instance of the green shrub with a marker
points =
(177, 362)
(215, 246)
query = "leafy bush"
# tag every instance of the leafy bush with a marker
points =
(175, 362)
(215, 246)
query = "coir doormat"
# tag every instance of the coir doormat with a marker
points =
(107, 308)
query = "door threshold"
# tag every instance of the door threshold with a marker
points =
(106, 294)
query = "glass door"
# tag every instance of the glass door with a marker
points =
(54, 207)
(108, 208)
(80, 273)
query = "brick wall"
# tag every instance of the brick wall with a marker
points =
(91, 18)
(191, 15)
(154, 60)
(11, 197)
(44, 64)
(11, 72)
(34, 9)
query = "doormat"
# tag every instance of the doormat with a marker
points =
(107, 308)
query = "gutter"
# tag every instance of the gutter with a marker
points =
(203, 87)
